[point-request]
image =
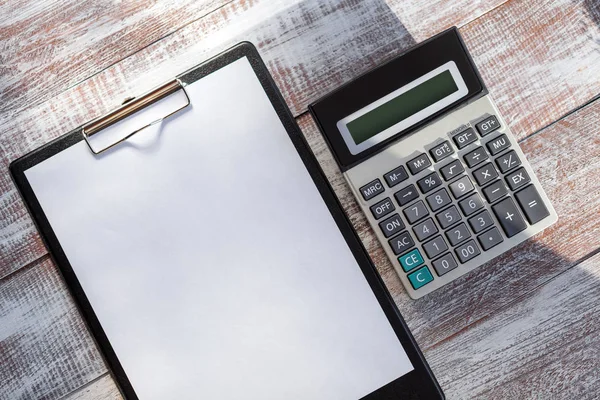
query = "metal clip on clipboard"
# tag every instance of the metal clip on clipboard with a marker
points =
(131, 107)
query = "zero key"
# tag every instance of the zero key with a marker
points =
(532, 204)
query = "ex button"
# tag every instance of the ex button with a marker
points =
(372, 189)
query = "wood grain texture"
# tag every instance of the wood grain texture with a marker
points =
(103, 388)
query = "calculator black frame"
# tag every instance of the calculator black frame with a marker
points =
(417, 384)
(384, 79)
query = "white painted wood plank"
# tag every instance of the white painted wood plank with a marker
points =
(103, 388)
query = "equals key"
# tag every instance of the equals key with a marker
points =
(532, 204)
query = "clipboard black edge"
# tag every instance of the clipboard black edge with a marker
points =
(417, 384)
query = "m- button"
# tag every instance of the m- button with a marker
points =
(372, 189)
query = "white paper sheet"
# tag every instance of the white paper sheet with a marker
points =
(211, 260)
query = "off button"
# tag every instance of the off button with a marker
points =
(383, 208)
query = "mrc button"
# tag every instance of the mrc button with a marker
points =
(372, 189)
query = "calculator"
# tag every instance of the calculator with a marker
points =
(432, 163)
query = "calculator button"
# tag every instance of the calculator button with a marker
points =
(425, 229)
(490, 238)
(406, 195)
(411, 260)
(508, 161)
(396, 176)
(415, 212)
(517, 178)
(465, 138)
(488, 125)
(435, 247)
(475, 157)
(461, 187)
(458, 234)
(418, 163)
(444, 264)
(448, 217)
(470, 204)
(495, 191)
(438, 200)
(382, 208)
(441, 151)
(485, 174)
(372, 189)
(430, 182)
(391, 226)
(420, 278)
(467, 251)
(481, 221)
(509, 217)
(499, 144)
(401, 243)
(532, 205)
(452, 170)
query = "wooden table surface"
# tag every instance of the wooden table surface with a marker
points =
(526, 325)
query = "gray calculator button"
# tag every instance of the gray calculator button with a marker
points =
(401, 243)
(485, 174)
(444, 264)
(461, 187)
(465, 138)
(481, 221)
(509, 217)
(476, 157)
(470, 204)
(517, 178)
(382, 208)
(467, 251)
(448, 217)
(452, 170)
(458, 234)
(391, 225)
(499, 144)
(495, 191)
(415, 212)
(396, 176)
(430, 182)
(532, 205)
(372, 189)
(488, 125)
(435, 247)
(441, 151)
(508, 161)
(406, 195)
(425, 229)
(438, 200)
(490, 238)
(418, 163)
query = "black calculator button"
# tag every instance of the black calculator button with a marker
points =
(467, 251)
(391, 225)
(475, 157)
(532, 205)
(471, 204)
(425, 229)
(458, 234)
(445, 263)
(372, 189)
(441, 151)
(435, 247)
(517, 178)
(401, 243)
(461, 187)
(485, 174)
(481, 221)
(406, 195)
(415, 212)
(448, 217)
(465, 138)
(382, 208)
(490, 238)
(509, 217)
(438, 200)
(488, 125)
(396, 176)
(499, 144)
(430, 182)
(508, 161)
(418, 163)
(495, 191)
(452, 170)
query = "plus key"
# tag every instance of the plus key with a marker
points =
(509, 217)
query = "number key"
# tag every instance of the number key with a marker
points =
(435, 247)
(467, 251)
(444, 264)
(458, 234)
(438, 200)
(481, 221)
(425, 229)
(461, 187)
(415, 212)
(448, 217)
(471, 204)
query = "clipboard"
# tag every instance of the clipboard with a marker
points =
(208, 254)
